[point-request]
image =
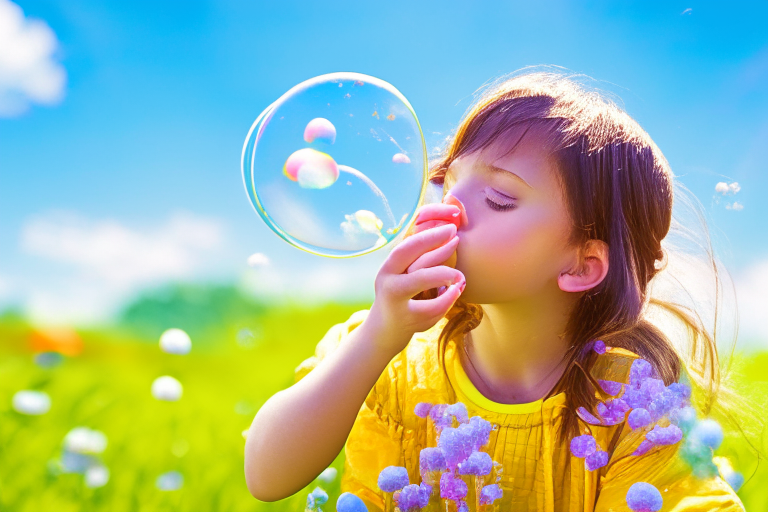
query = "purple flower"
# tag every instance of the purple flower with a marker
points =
(490, 493)
(664, 435)
(643, 448)
(611, 387)
(582, 446)
(458, 411)
(640, 370)
(613, 411)
(456, 444)
(680, 389)
(393, 478)
(422, 409)
(600, 347)
(438, 416)
(452, 488)
(349, 502)
(644, 497)
(478, 463)
(587, 417)
(432, 459)
(410, 498)
(426, 493)
(463, 507)
(596, 460)
(481, 432)
(638, 418)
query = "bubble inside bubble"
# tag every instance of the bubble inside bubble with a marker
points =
(320, 129)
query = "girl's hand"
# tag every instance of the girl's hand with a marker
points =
(401, 277)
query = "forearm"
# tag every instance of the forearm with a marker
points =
(299, 431)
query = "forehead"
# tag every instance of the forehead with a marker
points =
(526, 157)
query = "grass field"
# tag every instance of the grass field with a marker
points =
(107, 388)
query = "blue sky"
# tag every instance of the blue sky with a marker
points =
(132, 176)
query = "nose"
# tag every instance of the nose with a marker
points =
(449, 198)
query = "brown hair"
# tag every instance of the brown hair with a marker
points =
(619, 189)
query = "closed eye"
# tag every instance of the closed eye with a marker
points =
(498, 201)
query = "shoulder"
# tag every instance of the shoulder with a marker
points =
(329, 342)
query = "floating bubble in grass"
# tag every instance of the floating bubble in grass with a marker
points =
(73, 462)
(170, 481)
(175, 341)
(644, 497)
(48, 359)
(166, 388)
(349, 502)
(393, 478)
(33, 403)
(85, 441)
(337, 165)
(96, 476)
(328, 475)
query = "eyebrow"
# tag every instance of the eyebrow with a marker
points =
(505, 171)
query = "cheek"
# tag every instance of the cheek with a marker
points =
(525, 246)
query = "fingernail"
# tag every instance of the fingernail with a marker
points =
(455, 214)
(461, 287)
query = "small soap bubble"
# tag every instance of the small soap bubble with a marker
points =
(170, 481)
(326, 132)
(320, 129)
(708, 432)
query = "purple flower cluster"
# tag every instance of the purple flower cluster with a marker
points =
(646, 400)
(458, 453)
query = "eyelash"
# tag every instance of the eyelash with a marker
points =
(496, 206)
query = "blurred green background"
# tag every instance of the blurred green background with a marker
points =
(242, 353)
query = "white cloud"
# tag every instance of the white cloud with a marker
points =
(28, 71)
(735, 206)
(727, 188)
(111, 261)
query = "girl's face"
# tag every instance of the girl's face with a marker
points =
(515, 242)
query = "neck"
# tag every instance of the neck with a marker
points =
(515, 354)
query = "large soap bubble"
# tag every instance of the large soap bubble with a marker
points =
(337, 166)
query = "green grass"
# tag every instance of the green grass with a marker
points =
(107, 388)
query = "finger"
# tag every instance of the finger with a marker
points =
(414, 246)
(435, 256)
(438, 306)
(424, 279)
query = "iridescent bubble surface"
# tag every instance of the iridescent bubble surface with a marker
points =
(337, 166)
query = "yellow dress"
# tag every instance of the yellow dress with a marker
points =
(537, 475)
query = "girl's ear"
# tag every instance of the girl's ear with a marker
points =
(590, 269)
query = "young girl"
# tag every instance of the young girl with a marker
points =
(567, 202)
